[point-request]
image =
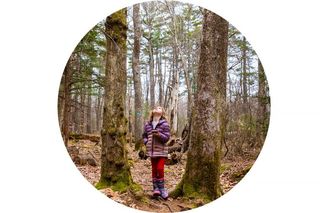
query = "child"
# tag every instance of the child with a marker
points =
(156, 134)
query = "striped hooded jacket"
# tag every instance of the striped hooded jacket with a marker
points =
(156, 145)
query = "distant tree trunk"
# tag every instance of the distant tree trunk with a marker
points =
(168, 90)
(263, 101)
(76, 112)
(147, 89)
(187, 70)
(82, 110)
(115, 171)
(202, 175)
(244, 75)
(164, 83)
(89, 119)
(151, 67)
(173, 107)
(160, 77)
(98, 111)
(138, 102)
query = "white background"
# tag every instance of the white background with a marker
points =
(36, 39)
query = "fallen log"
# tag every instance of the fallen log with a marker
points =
(78, 136)
(173, 158)
(174, 148)
(83, 159)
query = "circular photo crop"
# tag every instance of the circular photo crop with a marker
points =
(164, 106)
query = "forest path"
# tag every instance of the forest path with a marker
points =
(141, 174)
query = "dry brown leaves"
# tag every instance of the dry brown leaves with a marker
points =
(141, 174)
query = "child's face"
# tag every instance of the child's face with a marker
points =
(157, 111)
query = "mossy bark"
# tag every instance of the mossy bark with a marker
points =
(115, 170)
(202, 175)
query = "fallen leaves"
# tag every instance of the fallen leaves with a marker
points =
(141, 174)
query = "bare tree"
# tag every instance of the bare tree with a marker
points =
(138, 107)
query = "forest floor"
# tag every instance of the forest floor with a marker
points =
(232, 172)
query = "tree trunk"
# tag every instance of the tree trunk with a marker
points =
(115, 171)
(263, 101)
(168, 91)
(138, 102)
(89, 119)
(151, 67)
(147, 90)
(202, 175)
(82, 110)
(67, 100)
(98, 111)
(160, 77)
(173, 107)
(244, 75)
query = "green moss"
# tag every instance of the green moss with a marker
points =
(120, 187)
(224, 167)
(101, 185)
(237, 176)
(137, 191)
(112, 131)
(189, 191)
(118, 181)
(130, 162)
(145, 200)
(177, 192)
(136, 187)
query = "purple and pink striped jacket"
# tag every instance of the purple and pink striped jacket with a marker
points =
(156, 146)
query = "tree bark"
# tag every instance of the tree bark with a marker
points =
(173, 107)
(138, 102)
(263, 101)
(244, 75)
(89, 119)
(151, 67)
(115, 171)
(98, 111)
(202, 175)
(67, 99)
(160, 77)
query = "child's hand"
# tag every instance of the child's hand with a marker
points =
(155, 132)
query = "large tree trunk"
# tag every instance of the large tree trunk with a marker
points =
(115, 171)
(202, 175)
(263, 101)
(67, 101)
(138, 102)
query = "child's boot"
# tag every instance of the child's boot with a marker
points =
(163, 191)
(156, 191)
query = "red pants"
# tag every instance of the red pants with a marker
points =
(158, 167)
